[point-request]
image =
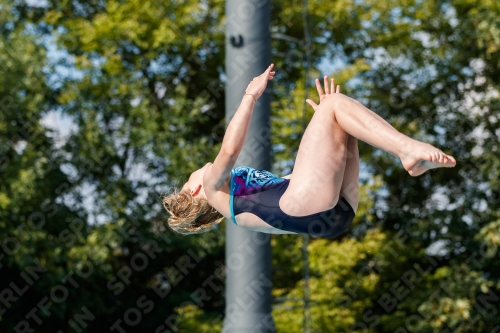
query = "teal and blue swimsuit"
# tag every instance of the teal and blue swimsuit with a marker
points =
(259, 191)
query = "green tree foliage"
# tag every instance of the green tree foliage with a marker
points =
(433, 76)
(144, 83)
(31, 180)
(138, 104)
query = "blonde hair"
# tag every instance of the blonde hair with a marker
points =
(189, 215)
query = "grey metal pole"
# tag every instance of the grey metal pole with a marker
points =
(248, 253)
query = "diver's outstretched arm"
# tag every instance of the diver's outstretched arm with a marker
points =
(237, 130)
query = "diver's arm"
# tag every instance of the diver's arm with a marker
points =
(237, 130)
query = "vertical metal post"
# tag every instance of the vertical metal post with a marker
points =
(248, 253)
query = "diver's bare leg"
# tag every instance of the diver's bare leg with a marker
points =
(357, 120)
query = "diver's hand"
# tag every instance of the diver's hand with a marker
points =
(328, 91)
(259, 83)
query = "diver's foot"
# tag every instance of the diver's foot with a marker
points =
(421, 157)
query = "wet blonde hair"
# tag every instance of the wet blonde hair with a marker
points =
(190, 215)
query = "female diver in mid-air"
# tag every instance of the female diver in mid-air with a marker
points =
(320, 197)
